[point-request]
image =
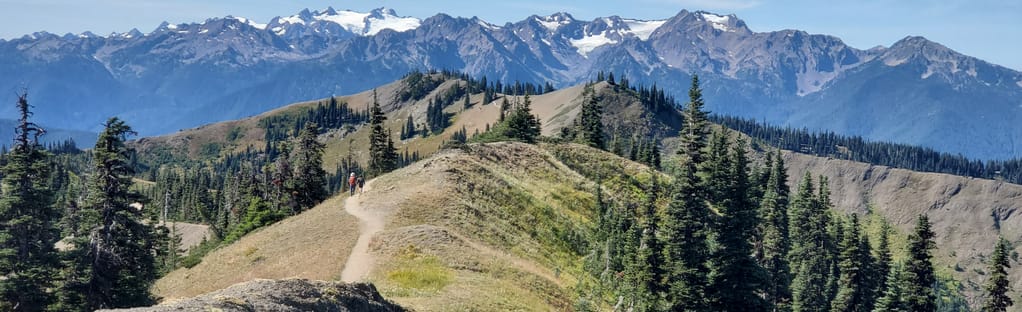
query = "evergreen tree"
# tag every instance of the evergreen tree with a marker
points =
(112, 258)
(382, 155)
(808, 223)
(310, 179)
(883, 261)
(853, 287)
(774, 212)
(736, 280)
(408, 129)
(893, 299)
(831, 246)
(27, 221)
(684, 240)
(522, 125)
(696, 129)
(919, 296)
(649, 261)
(589, 123)
(997, 286)
(504, 107)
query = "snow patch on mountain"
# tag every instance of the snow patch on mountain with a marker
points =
(487, 25)
(1019, 83)
(589, 43)
(244, 21)
(893, 61)
(352, 21)
(293, 20)
(555, 21)
(719, 22)
(643, 29)
(378, 22)
(358, 23)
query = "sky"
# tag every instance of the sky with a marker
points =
(988, 29)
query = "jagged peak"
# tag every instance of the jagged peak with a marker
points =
(725, 23)
(554, 21)
(382, 12)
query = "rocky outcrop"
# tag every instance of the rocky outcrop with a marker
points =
(284, 295)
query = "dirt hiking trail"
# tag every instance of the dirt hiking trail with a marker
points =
(370, 223)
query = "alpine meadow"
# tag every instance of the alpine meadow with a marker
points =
(335, 160)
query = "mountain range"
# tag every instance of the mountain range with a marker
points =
(179, 76)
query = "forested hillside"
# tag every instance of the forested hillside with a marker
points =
(610, 195)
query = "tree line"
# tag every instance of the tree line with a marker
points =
(856, 148)
(733, 237)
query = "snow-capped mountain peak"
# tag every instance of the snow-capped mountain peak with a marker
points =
(613, 30)
(358, 23)
(554, 21)
(248, 21)
(642, 29)
(724, 23)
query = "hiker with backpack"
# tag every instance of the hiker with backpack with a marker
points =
(361, 184)
(351, 184)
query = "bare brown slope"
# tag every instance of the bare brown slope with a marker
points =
(967, 213)
(313, 245)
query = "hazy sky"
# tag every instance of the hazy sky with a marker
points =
(988, 29)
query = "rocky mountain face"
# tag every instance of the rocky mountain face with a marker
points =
(179, 76)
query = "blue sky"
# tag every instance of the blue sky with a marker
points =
(988, 29)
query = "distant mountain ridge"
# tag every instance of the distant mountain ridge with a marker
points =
(82, 139)
(178, 76)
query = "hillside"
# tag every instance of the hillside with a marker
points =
(490, 227)
(967, 213)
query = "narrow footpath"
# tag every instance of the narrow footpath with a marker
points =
(360, 262)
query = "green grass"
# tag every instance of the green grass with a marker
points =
(418, 272)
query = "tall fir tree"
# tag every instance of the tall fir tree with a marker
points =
(696, 128)
(736, 281)
(382, 155)
(998, 286)
(775, 241)
(920, 295)
(589, 123)
(835, 234)
(685, 245)
(893, 298)
(883, 260)
(649, 255)
(112, 261)
(28, 260)
(310, 179)
(809, 220)
(854, 287)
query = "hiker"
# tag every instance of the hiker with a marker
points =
(361, 184)
(351, 183)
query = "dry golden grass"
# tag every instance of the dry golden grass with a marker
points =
(313, 245)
